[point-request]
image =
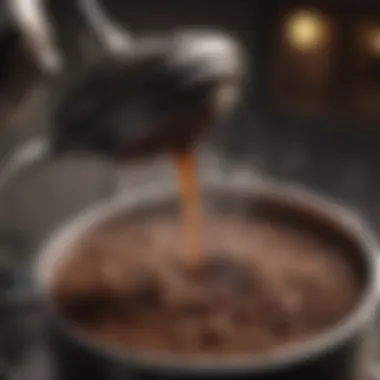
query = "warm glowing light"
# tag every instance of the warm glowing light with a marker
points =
(306, 30)
(374, 40)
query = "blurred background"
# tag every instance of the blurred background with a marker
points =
(311, 114)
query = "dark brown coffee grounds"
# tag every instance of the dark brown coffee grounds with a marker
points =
(262, 285)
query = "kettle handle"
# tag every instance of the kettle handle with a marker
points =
(33, 19)
(113, 37)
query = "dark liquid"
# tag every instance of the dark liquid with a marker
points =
(190, 206)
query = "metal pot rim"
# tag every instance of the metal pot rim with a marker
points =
(296, 197)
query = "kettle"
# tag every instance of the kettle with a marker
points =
(150, 95)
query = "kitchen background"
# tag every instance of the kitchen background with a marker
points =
(311, 114)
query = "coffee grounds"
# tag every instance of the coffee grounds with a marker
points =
(262, 286)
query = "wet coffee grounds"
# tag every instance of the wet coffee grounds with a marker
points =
(262, 286)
